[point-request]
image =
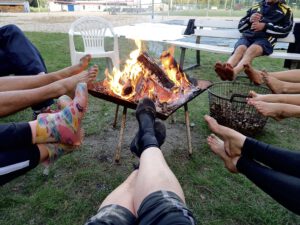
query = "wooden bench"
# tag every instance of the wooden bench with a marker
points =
(224, 29)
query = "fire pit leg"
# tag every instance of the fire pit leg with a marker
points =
(188, 130)
(123, 123)
(116, 117)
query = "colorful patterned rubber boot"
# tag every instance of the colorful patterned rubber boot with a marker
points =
(64, 127)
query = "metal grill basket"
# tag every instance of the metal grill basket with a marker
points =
(227, 104)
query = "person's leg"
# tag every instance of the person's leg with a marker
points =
(278, 111)
(22, 55)
(159, 198)
(123, 194)
(281, 160)
(238, 54)
(293, 99)
(117, 208)
(13, 101)
(287, 75)
(281, 187)
(233, 62)
(252, 52)
(13, 83)
(17, 161)
(257, 76)
(281, 87)
(239, 50)
(63, 126)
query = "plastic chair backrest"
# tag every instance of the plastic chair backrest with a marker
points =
(92, 30)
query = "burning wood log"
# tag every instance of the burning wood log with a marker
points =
(170, 62)
(149, 63)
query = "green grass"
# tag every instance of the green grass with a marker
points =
(78, 182)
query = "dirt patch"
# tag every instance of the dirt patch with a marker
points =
(103, 145)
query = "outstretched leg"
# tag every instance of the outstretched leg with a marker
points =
(281, 87)
(12, 83)
(293, 99)
(159, 198)
(282, 178)
(64, 126)
(13, 101)
(118, 207)
(278, 111)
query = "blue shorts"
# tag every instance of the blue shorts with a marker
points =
(263, 42)
(158, 208)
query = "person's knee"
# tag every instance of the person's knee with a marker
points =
(254, 50)
(241, 49)
(13, 30)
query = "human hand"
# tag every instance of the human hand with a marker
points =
(257, 26)
(255, 17)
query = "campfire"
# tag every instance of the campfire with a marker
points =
(167, 85)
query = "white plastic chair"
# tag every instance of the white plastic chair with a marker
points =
(92, 31)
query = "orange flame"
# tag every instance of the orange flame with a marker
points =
(135, 81)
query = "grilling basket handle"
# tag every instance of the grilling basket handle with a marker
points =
(238, 96)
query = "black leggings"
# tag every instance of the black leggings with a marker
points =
(17, 153)
(279, 176)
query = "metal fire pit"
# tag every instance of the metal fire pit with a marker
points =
(163, 111)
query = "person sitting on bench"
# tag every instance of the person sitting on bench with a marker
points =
(260, 28)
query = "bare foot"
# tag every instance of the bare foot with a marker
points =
(273, 83)
(268, 109)
(220, 70)
(233, 140)
(229, 72)
(253, 74)
(253, 96)
(217, 146)
(72, 70)
(85, 76)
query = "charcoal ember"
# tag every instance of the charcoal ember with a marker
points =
(127, 88)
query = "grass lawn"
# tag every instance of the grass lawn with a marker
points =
(78, 182)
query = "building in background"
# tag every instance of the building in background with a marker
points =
(14, 6)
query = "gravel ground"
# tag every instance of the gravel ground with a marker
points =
(60, 21)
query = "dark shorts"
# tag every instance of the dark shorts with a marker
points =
(158, 208)
(263, 42)
(112, 215)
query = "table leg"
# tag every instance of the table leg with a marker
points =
(123, 123)
(188, 129)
